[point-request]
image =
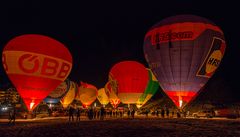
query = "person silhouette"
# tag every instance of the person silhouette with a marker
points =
(102, 113)
(12, 115)
(70, 112)
(78, 113)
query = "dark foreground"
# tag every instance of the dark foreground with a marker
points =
(139, 127)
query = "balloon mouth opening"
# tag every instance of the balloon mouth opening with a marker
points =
(181, 98)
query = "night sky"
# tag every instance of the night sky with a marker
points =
(100, 33)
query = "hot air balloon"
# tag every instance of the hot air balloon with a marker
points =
(36, 65)
(183, 52)
(70, 95)
(87, 94)
(111, 93)
(55, 96)
(102, 96)
(131, 78)
(151, 89)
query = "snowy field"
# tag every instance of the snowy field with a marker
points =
(138, 127)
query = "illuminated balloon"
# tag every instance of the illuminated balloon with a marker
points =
(131, 78)
(70, 95)
(151, 89)
(183, 52)
(102, 96)
(36, 65)
(58, 93)
(87, 94)
(111, 93)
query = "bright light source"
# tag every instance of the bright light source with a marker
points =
(180, 103)
(95, 104)
(4, 108)
(31, 104)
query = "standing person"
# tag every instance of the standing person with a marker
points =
(78, 113)
(162, 113)
(133, 113)
(94, 113)
(90, 114)
(172, 113)
(98, 114)
(70, 113)
(128, 113)
(12, 115)
(178, 114)
(167, 112)
(121, 113)
(146, 112)
(157, 112)
(102, 113)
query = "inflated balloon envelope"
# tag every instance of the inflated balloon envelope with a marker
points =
(36, 65)
(68, 98)
(111, 91)
(183, 52)
(87, 94)
(102, 96)
(131, 80)
(58, 93)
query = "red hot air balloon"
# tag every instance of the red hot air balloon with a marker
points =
(36, 65)
(131, 78)
(183, 52)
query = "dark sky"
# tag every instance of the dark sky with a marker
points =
(100, 33)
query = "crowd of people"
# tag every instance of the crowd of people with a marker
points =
(90, 113)
(94, 113)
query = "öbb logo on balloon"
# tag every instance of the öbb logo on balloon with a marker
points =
(35, 64)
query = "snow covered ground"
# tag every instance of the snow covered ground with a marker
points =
(113, 127)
